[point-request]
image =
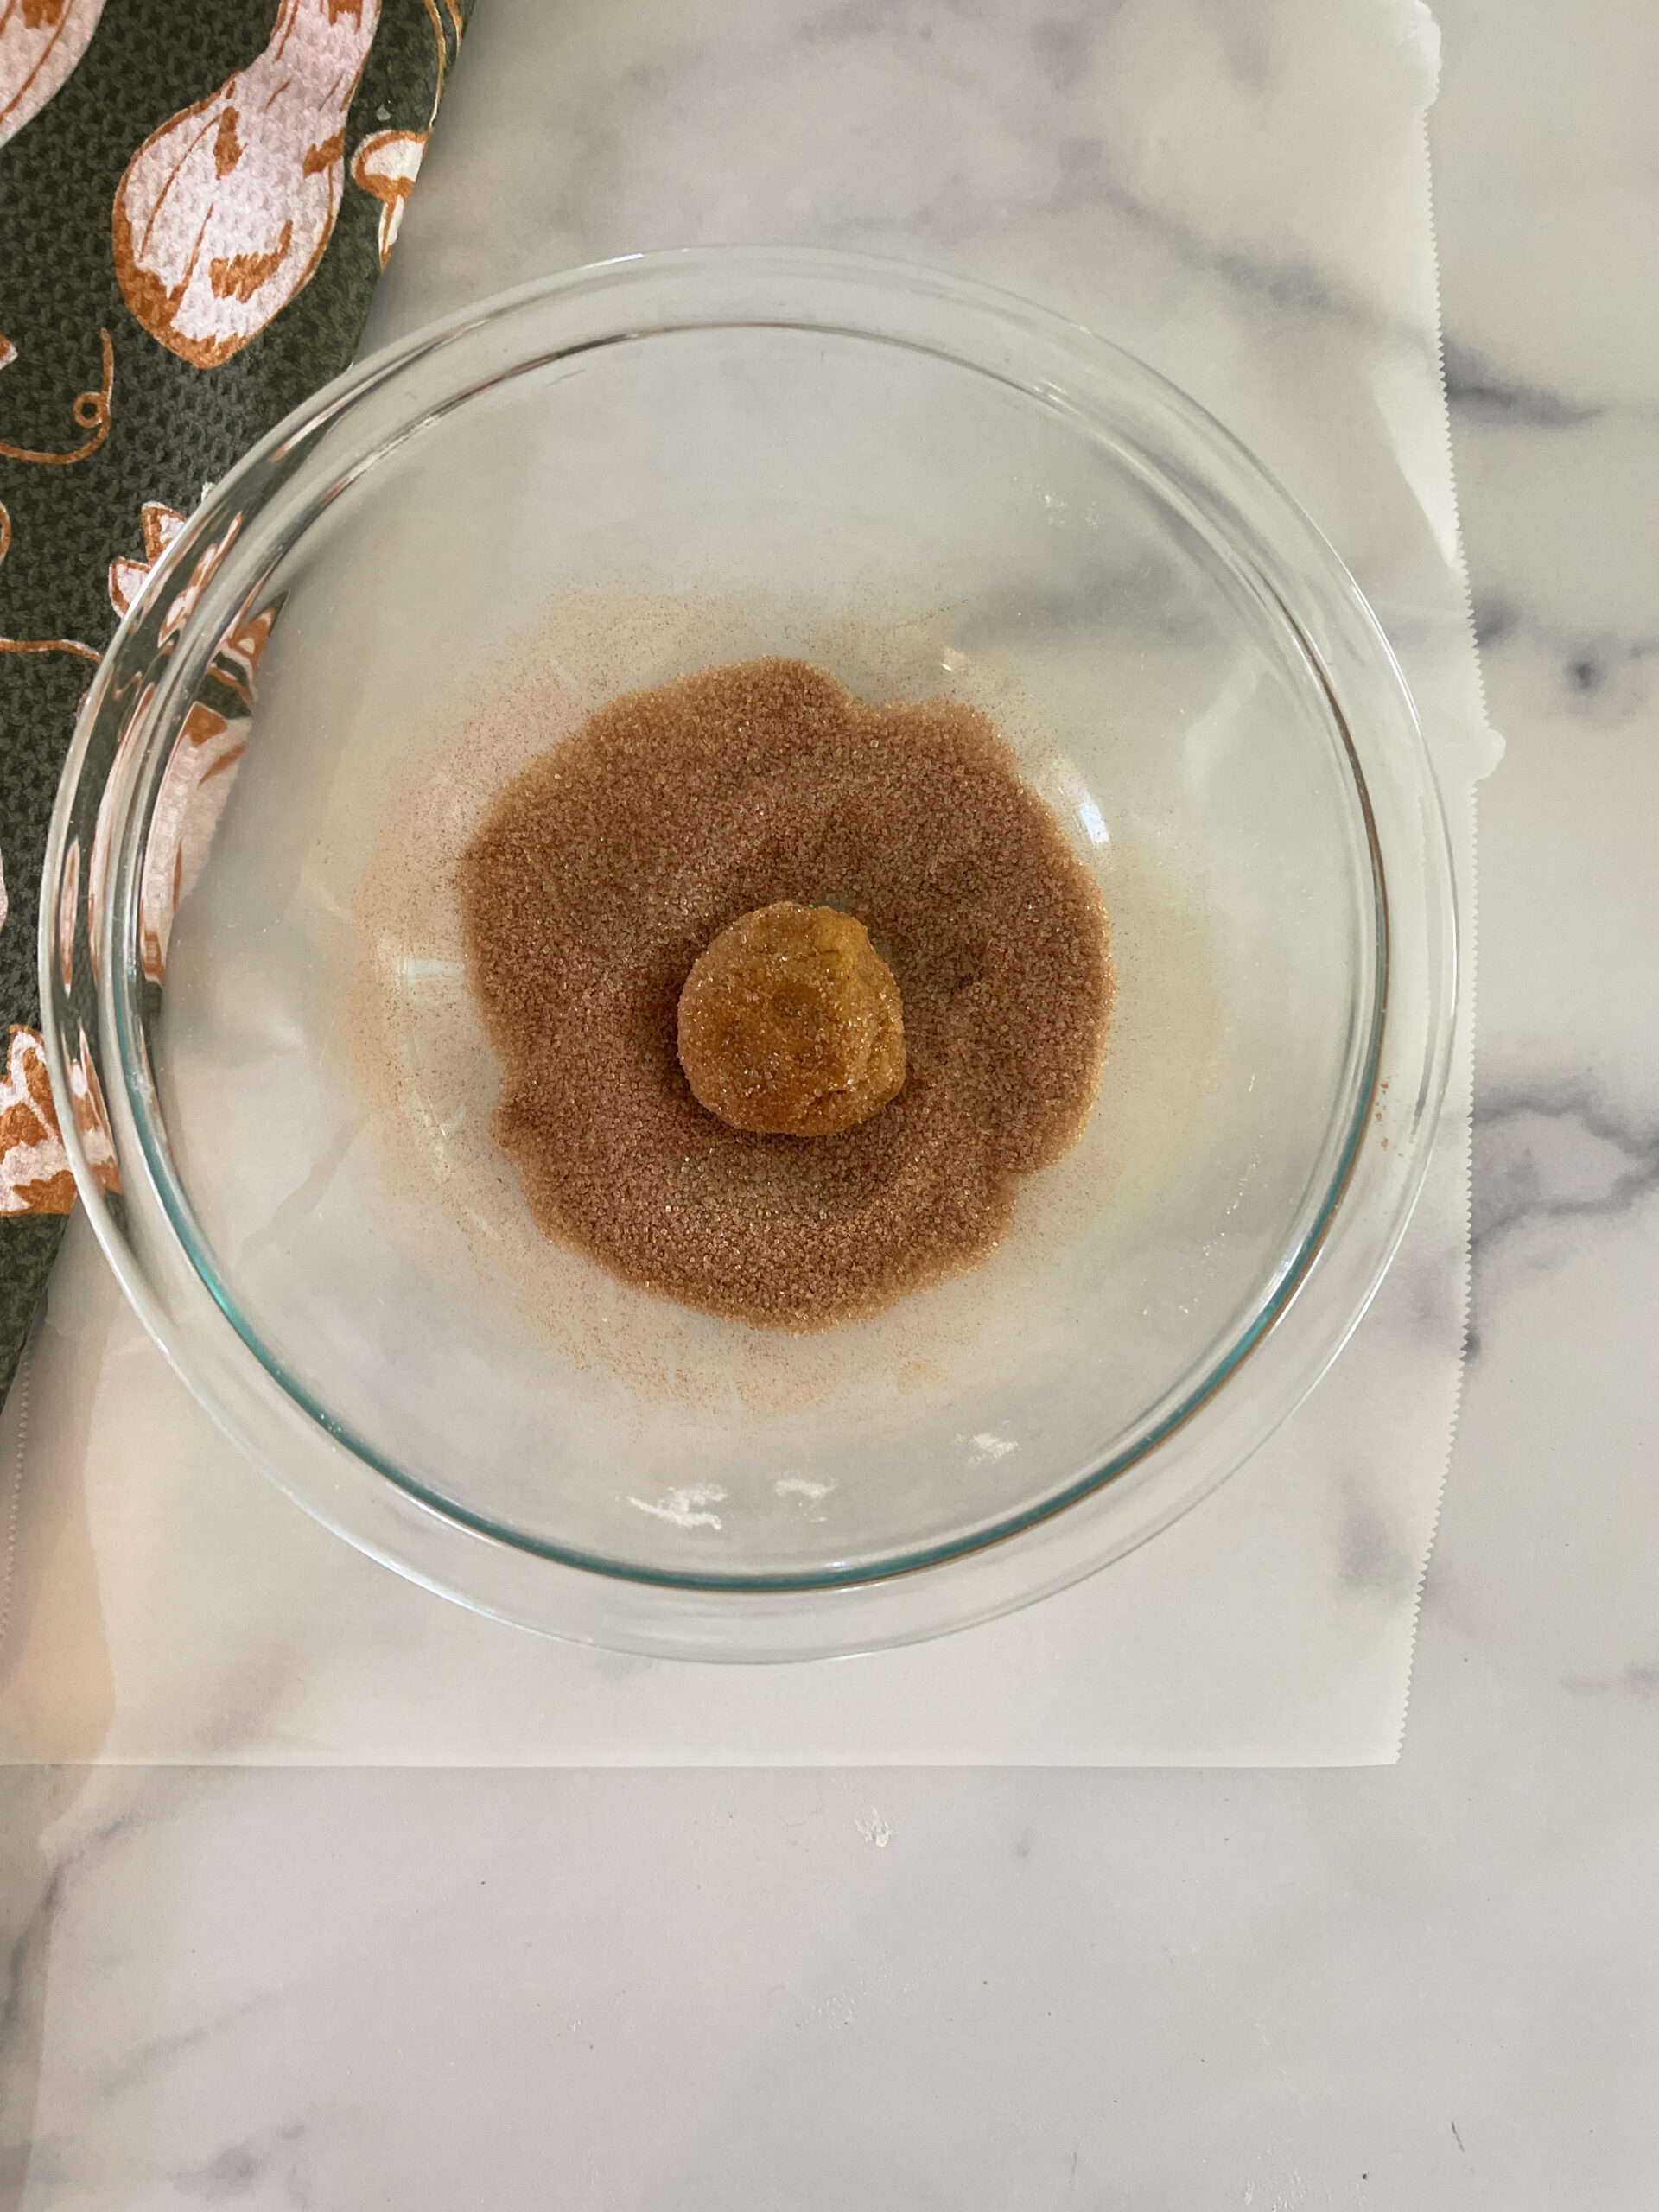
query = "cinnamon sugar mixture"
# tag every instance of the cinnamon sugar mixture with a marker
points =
(607, 870)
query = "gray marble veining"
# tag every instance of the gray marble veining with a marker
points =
(1437, 1986)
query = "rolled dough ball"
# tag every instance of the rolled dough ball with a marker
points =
(791, 1025)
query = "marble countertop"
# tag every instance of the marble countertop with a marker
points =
(1432, 1985)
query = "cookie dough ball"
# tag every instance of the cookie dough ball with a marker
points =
(791, 1024)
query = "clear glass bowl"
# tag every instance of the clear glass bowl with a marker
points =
(281, 1094)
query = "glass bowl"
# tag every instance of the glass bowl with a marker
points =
(279, 1092)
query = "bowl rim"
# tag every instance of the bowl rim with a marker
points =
(438, 1542)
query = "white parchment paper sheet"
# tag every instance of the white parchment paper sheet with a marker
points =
(1241, 194)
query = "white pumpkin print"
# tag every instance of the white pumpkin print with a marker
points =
(161, 525)
(225, 211)
(35, 1173)
(195, 784)
(92, 1118)
(203, 764)
(99, 860)
(41, 42)
(387, 164)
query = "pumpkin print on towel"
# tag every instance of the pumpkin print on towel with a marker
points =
(202, 765)
(128, 576)
(195, 784)
(387, 164)
(224, 212)
(41, 42)
(91, 1118)
(161, 525)
(35, 1173)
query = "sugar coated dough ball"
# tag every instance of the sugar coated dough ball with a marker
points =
(790, 1024)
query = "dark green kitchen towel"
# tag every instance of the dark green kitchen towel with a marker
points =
(196, 198)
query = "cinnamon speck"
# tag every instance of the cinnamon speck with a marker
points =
(603, 872)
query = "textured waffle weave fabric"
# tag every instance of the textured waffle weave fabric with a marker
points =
(196, 200)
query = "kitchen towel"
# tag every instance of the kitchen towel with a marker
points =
(197, 197)
(1240, 195)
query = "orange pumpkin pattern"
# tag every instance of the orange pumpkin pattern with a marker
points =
(202, 765)
(224, 212)
(91, 1118)
(195, 784)
(98, 866)
(35, 1173)
(230, 208)
(160, 526)
(387, 164)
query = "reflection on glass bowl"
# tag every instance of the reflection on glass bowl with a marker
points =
(251, 960)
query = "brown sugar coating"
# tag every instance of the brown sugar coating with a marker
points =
(606, 871)
(791, 1024)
